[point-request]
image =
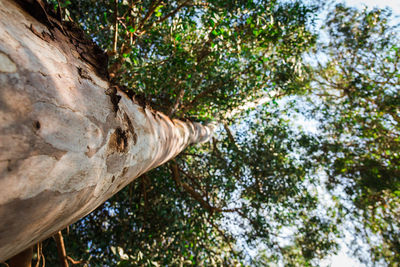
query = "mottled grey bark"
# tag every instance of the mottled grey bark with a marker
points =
(67, 141)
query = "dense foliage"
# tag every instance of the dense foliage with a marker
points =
(358, 90)
(264, 190)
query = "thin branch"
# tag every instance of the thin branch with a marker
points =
(152, 8)
(145, 180)
(39, 253)
(173, 12)
(193, 179)
(130, 194)
(62, 254)
(115, 27)
(42, 255)
(194, 194)
(205, 51)
(216, 149)
(228, 241)
(211, 89)
(204, 93)
(230, 135)
(118, 64)
(188, 188)
(191, 154)
(177, 102)
(232, 140)
(74, 262)
(328, 95)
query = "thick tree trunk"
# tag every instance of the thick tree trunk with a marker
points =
(68, 142)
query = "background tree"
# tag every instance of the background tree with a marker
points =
(356, 96)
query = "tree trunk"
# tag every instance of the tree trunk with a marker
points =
(22, 259)
(68, 141)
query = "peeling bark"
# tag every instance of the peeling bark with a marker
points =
(68, 139)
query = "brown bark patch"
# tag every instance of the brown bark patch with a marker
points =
(90, 151)
(118, 141)
(84, 73)
(112, 93)
(44, 36)
(130, 128)
(36, 125)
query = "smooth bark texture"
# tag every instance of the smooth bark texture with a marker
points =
(68, 141)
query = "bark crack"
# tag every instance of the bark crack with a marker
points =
(112, 93)
(58, 106)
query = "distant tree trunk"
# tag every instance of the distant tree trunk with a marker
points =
(22, 259)
(68, 141)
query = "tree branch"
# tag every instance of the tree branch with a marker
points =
(115, 27)
(173, 12)
(222, 233)
(62, 254)
(177, 102)
(152, 8)
(40, 256)
(188, 188)
(204, 93)
(207, 206)
(193, 179)
(74, 262)
(232, 140)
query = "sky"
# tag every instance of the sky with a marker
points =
(394, 4)
(342, 260)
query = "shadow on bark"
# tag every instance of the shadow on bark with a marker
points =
(33, 86)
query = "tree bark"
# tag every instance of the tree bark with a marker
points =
(22, 259)
(68, 140)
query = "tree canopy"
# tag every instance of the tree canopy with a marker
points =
(266, 189)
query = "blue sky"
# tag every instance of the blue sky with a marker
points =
(394, 4)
